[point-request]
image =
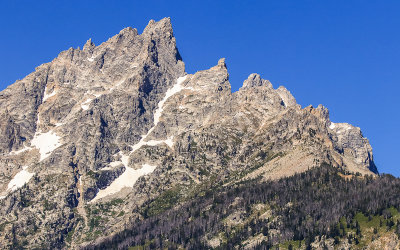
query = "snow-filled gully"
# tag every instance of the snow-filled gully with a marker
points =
(47, 96)
(130, 176)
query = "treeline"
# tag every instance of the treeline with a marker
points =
(302, 206)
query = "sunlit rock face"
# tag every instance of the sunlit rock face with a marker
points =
(99, 131)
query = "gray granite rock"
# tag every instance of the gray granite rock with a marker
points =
(104, 129)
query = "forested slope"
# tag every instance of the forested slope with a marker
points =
(291, 212)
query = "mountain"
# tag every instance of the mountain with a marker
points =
(106, 138)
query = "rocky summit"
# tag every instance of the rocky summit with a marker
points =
(91, 140)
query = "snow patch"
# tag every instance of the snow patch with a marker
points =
(47, 96)
(127, 179)
(115, 163)
(46, 143)
(142, 143)
(170, 141)
(85, 105)
(20, 151)
(90, 59)
(153, 143)
(147, 169)
(332, 126)
(124, 159)
(19, 180)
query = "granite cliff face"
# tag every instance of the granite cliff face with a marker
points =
(88, 138)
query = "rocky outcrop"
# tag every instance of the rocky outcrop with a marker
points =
(108, 127)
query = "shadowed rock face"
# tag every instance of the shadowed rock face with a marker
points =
(117, 124)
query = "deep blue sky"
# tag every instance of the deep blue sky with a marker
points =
(343, 54)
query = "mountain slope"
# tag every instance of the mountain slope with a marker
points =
(92, 136)
(322, 208)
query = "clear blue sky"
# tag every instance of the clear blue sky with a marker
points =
(343, 54)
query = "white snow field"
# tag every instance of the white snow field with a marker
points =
(46, 143)
(127, 179)
(18, 181)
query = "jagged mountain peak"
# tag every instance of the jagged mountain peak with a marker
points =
(164, 26)
(160, 29)
(255, 80)
(221, 63)
(89, 45)
(123, 121)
